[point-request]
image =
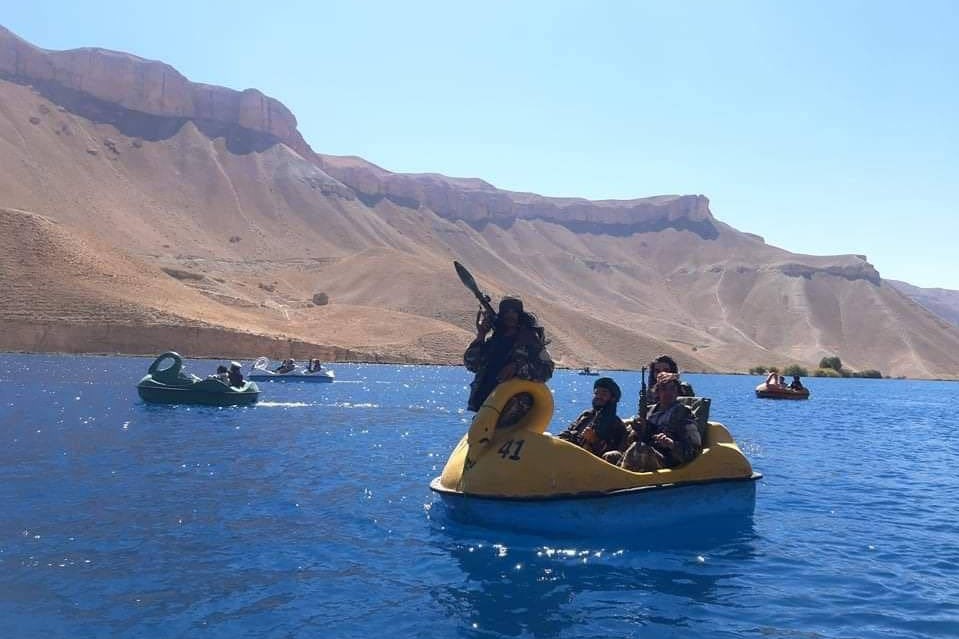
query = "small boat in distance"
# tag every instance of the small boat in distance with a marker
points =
(775, 387)
(289, 371)
(770, 391)
(588, 371)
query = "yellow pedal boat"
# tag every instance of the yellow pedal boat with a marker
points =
(524, 477)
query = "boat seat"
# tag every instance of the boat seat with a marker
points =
(700, 409)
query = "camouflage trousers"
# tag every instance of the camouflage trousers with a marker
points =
(638, 458)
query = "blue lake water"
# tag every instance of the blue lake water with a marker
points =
(309, 515)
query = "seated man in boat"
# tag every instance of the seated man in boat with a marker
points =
(287, 366)
(235, 375)
(517, 348)
(314, 367)
(666, 364)
(222, 374)
(796, 384)
(599, 430)
(667, 437)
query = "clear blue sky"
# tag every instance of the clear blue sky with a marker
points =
(826, 127)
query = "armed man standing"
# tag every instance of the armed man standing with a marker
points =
(517, 347)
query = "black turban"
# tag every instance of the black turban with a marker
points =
(610, 385)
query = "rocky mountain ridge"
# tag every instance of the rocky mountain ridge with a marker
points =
(130, 83)
(941, 301)
(214, 192)
(145, 86)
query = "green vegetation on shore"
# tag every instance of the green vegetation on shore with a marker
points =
(828, 367)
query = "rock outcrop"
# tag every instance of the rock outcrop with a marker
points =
(102, 84)
(145, 86)
(479, 203)
(856, 270)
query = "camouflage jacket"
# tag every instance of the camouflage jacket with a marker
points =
(676, 422)
(528, 355)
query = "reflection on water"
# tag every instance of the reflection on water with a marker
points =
(527, 585)
(283, 405)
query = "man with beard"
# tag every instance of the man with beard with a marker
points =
(517, 348)
(668, 436)
(599, 430)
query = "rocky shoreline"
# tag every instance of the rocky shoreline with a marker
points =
(191, 341)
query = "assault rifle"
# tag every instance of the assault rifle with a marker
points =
(467, 279)
(643, 399)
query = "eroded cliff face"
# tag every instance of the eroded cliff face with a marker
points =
(147, 99)
(185, 178)
(144, 86)
(479, 203)
(853, 270)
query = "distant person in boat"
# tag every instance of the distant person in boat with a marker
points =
(668, 436)
(782, 381)
(587, 371)
(796, 385)
(235, 375)
(666, 364)
(314, 366)
(222, 374)
(517, 348)
(599, 429)
(287, 366)
(773, 379)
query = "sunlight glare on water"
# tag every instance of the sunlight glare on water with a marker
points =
(310, 515)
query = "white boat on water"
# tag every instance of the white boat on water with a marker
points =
(261, 371)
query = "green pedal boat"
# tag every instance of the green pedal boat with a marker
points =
(170, 385)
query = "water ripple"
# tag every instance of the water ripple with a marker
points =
(309, 515)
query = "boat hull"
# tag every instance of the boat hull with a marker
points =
(615, 513)
(154, 393)
(170, 385)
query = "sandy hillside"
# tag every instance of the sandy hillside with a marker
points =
(198, 215)
(941, 301)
